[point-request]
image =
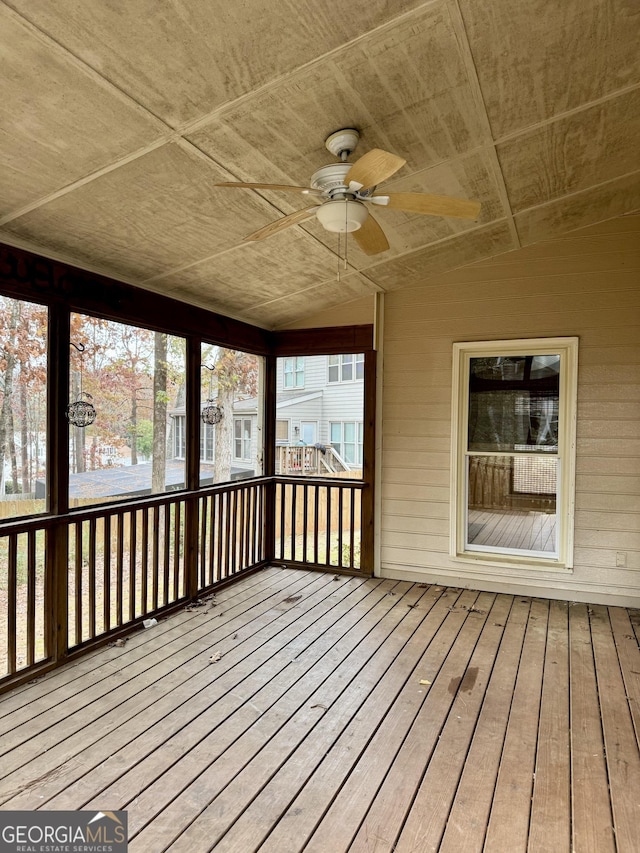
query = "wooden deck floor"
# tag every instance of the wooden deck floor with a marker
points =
(521, 529)
(346, 714)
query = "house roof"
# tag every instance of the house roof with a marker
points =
(118, 118)
(130, 480)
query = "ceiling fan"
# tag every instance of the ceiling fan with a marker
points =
(342, 193)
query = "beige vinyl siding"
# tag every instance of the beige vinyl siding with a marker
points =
(585, 284)
(358, 312)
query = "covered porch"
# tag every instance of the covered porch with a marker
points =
(304, 710)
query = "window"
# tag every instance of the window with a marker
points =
(135, 378)
(347, 440)
(207, 438)
(294, 372)
(514, 451)
(179, 437)
(346, 367)
(242, 439)
(282, 432)
(23, 408)
(231, 389)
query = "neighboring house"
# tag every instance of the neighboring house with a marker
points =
(320, 400)
(244, 453)
(319, 405)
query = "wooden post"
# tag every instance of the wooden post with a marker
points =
(368, 468)
(56, 537)
(191, 529)
(269, 456)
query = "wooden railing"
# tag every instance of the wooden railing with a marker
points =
(232, 531)
(70, 581)
(25, 618)
(319, 523)
(308, 459)
(124, 562)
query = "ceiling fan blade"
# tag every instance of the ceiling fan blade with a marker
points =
(281, 224)
(370, 237)
(282, 187)
(434, 205)
(373, 168)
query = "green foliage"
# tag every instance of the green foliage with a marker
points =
(144, 437)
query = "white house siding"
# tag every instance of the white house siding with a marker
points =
(585, 284)
(338, 401)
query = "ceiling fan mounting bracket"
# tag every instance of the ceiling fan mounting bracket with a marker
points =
(342, 142)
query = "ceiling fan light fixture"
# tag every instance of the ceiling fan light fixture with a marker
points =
(342, 215)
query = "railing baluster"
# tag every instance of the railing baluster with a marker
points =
(167, 551)
(155, 558)
(78, 575)
(328, 526)
(219, 503)
(203, 542)
(340, 514)
(352, 528)
(119, 566)
(31, 597)
(305, 521)
(281, 487)
(239, 526)
(177, 563)
(210, 544)
(315, 523)
(106, 591)
(231, 533)
(92, 577)
(294, 525)
(12, 595)
(133, 542)
(144, 569)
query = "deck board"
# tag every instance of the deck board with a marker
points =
(313, 732)
(591, 803)
(550, 823)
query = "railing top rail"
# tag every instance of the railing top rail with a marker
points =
(40, 522)
(25, 524)
(336, 482)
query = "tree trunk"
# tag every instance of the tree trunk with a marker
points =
(5, 413)
(134, 428)
(78, 432)
(15, 487)
(224, 435)
(24, 434)
(159, 456)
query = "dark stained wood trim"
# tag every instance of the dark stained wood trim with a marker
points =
(329, 341)
(24, 275)
(368, 470)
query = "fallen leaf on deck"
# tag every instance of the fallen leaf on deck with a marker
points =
(291, 599)
(215, 657)
(319, 706)
(424, 681)
(119, 643)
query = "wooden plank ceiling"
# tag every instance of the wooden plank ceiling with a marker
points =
(117, 119)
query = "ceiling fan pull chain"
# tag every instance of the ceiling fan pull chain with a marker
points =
(338, 277)
(346, 233)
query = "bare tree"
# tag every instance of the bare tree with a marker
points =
(160, 399)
